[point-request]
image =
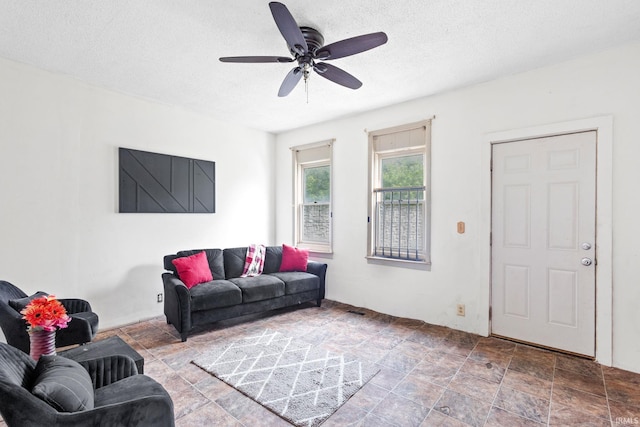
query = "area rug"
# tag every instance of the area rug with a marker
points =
(301, 383)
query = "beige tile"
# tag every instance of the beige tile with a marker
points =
(588, 403)
(615, 374)
(532, 353)
(347, 416)
(478, 388)
(438, 419)
(387, 378)
(400, 411)
(523, 404)
(527, 383)
(542, 367)
(489, 371)
(460, 348)
(399, 361)
(437, 373)
(463, 408)
(496, 345)
(419, 390)
(368, 397)
(490, 355)
(209, 414)
(590, 384)
(623, 411)
(577, 365)
(501, 418)
(563, 416)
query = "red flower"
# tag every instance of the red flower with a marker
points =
(45, 313)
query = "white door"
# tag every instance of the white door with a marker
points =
(543, 241)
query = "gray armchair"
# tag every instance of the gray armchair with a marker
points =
(82, 328)
(119, 396)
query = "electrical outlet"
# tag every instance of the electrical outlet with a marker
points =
(159, 298)
(460, 309)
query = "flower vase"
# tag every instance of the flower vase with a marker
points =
(42, 343)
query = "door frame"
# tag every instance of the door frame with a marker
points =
(603, 126)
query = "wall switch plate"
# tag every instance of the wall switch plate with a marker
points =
(460, 309)
(159, 298)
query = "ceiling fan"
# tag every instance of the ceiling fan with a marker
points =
(306, 46)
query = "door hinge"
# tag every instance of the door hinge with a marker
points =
(490, 312)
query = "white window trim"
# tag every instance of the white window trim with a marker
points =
(298, 197)
(374, 157)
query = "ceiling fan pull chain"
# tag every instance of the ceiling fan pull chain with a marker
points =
(306, 81)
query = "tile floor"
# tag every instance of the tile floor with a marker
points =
(429, 375)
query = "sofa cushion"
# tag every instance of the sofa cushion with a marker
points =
(214, 258)
(294, 259)
(296, 281)
(215, 294)
(259, 288)
(64, 384)
(272, 259)
(193, 269)
(234, 261)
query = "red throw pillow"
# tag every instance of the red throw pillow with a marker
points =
(294, 259)
(194, 269)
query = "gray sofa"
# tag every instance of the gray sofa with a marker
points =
(230, 295)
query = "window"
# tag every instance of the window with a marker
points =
(312, 194)
(399, 161)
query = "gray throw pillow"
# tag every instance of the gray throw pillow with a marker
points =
(64, 384)
(20, 303)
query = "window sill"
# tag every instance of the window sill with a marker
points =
(321, 254)
(403, 263)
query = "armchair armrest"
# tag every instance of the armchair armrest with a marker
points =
(14, 327)
(109, 369)
(78, 331)
(75, 305)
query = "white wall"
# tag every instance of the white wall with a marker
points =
(597, 85)
(59, 226)
(60, 230)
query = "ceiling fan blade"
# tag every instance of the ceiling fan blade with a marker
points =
(337, 75)
(288, 27)
(255, 59)
(290, 81)
(351, 46)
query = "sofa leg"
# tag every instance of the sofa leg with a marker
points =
(319, 302)
(183, 336)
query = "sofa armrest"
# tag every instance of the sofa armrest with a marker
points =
(109, 369)
(177, 303)
(320, 270)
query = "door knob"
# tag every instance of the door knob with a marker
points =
(586, 261)
(586, 246)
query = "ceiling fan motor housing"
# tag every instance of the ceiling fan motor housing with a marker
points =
(313, 38)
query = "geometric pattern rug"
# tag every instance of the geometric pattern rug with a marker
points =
(299, 382)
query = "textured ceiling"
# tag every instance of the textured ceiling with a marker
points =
(167, 50)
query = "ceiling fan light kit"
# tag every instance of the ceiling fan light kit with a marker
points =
(307, 46)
